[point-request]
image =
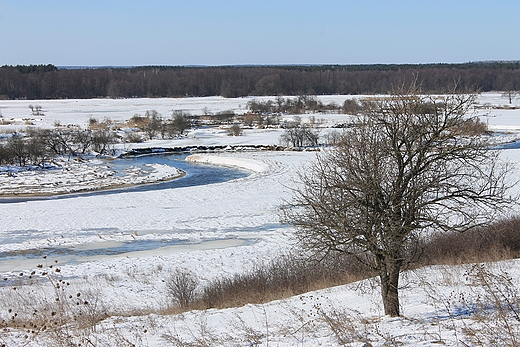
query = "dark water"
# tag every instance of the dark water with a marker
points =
(196, 174)
(511, 145)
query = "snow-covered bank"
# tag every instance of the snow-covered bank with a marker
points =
(242, 209)
(442, 305)
(439, 305)
(73, 177)
(215, 230)
(242, 163)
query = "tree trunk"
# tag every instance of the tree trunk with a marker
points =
(389, 288)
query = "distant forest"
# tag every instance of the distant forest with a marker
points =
(50, 82)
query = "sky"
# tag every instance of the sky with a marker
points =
(266, 32)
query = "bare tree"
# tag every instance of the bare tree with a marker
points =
(406, 168)
(510, 95)
(180, 122)
(36, 110)
(18, 150)
(300, 136)
(102, 141)
(181, 286)
(81, 141)
(154, 123)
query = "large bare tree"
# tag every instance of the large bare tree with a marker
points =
(409, 165)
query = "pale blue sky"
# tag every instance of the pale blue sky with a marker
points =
(231, 32)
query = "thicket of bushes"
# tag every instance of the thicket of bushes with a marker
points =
(290, 275)
(40, 146)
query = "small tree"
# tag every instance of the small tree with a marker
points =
(38, 148)
(181, 286)
(102, 141)
(36, 110)
(234, 130)
(154, 123)
(300, 136)
(405, 168)
(81, 141)
(510, 95)
(5, 155)
(18, 149)
(179, 123)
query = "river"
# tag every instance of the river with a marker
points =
(196, 174)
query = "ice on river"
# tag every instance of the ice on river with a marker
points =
(214, 230)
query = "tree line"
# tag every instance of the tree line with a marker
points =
(40, 146)
(50, 82)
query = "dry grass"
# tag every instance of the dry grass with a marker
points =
(496, 242)
(280, 278)
(496, 309)
(43, 309)
(289, 275)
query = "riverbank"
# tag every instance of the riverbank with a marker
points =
(70, 176)
(129, 285)
(74, 177)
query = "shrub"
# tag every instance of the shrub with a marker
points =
(133, 138)
(282, 277)
(290, 275)
(473, 127)
(234, 130)
(498, 241)
(351, 106)
(181, 286)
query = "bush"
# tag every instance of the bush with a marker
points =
(133, 138)
(351, 106)
(279, 278)
(495, 242)
(473, 127)
(290, 275)
(234, 130)
(181, 286)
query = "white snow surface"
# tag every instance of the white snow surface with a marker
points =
(249, 164)
(213, 230)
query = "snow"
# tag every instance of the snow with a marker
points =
(213, 230)
(66, 177)
(226, 161)
(354, 310)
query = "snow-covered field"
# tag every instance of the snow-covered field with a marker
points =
(213, 230)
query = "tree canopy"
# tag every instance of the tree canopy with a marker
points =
(50, 82)
(409, 165)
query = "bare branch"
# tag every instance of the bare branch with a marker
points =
(407, 166)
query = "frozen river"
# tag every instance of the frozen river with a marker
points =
(195, 174)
